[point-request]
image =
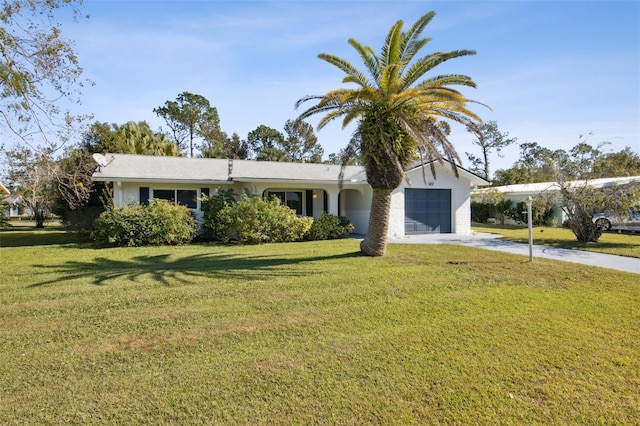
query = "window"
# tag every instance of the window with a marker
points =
(293, 200)
(187, 197)
(184, 197)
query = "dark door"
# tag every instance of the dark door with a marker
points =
(427, 211)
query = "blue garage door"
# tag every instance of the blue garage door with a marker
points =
(427, 211)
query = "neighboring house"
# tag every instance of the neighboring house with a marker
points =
(436, 206)
(521, 192)
(4, 193)
(12, 200)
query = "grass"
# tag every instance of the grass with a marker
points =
(311, 333)
(609, 243)
(29, 224)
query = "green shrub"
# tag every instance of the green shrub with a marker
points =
(542, 210)
(82, 219)
(161, 222)
(481, 211)
(329, 227)
(4, 220)
(254, 220)
(210, 207)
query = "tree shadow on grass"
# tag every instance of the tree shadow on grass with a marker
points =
(17, 238)
(167, 270)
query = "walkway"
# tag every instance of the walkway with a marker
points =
(494, 242)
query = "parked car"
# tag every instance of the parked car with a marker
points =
(607, 221)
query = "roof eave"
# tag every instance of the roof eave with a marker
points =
(304, 181)
(159, 180)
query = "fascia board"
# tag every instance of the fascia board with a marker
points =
(305, 181)
(151, 180)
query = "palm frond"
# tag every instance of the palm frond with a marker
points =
(427, 63)
(391, 48)
(351, 115)
(464, 117)
(434, 146)
(331, 100)
(400, 109)
(369, 58)
(390, 79)
(306, 99)
(439, 97)
(332, 115)
(447, 80)
(325, 105)
(411, 44)
(335, 104)
(351, 71)
(412, 48)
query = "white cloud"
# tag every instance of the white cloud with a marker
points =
(253, 60)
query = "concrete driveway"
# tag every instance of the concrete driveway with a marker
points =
(494, 242)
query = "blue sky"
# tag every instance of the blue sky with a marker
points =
(549, 70)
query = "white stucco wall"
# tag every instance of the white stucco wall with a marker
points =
(125, 193)
(355, 204)
(354, 200)
(318, 202)
(445, 179)
(358, 202)
(328, 191)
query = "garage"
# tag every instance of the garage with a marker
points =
(427, 211)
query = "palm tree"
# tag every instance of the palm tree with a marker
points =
(402, 115)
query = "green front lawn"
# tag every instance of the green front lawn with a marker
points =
(311, 333)
(609, 243)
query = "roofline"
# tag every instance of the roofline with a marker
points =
(307, 181)
(536, 187)
(231, 181)
(226, 160)
(472, 176)
(4, 189)
(152, 180)
(479, 181)
(418, 164)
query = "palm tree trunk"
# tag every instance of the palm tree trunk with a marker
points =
(375, 242)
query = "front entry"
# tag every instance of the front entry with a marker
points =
(427, 211)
